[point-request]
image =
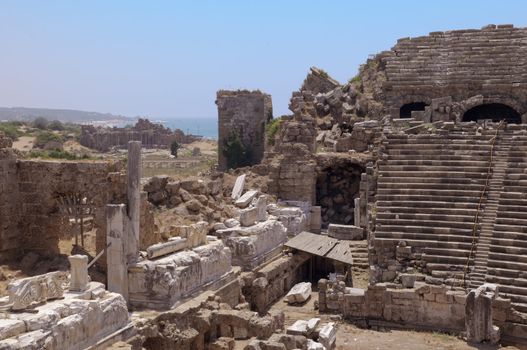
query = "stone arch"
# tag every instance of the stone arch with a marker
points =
(492, 111)
(474, 101)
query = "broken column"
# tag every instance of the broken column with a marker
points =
(133, 174)
(116, 234)
(478, 315)
(79, 273)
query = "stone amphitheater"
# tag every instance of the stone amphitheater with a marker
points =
(396, 201)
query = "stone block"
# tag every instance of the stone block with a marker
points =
(246, 199)
(237, 190)
(175, 244)
(79, 272)
(328, 335)
(300, 293)
(300, 327)
(345, 232)
(249, 216)
(407, 280)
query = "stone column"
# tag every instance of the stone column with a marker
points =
(316, 219)
(356, 212)
(133, 174)
(116, 254)
(478, 315)
(79, 273)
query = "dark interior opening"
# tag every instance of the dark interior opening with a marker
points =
(494, 112)
(407, 109)
(337, 188)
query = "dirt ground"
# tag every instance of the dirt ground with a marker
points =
(24, 143)
(350, 337)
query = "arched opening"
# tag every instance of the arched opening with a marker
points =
(407, 109)
(494, 112)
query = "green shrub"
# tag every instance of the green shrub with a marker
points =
(271, 129)
(236, 152)
(174, 147)
(10, 129)
(44, 137)
(40, 123)
(55, 125)
(355, 80)
(56, 155)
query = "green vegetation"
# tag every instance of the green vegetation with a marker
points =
(236, 152)
(55, 125)
(40, 123)
(323, 73)
(174, 147)
(43, 137)
(56, 155)
(271, 129)
(355, 80)
(10, 129)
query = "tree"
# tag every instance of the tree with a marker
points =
(40, 123)
(235, 151)
(174, 147)
(56, 125)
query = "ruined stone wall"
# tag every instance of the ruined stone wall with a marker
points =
(42, 183)
(151, 136)
(246, 114)
(9, 200)
(458, 64)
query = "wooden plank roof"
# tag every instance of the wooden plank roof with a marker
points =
(322, 245)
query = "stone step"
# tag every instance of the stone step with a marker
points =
(508, 241)
(513, 201)
(424, 229)
(424, 216)
(447, 252)
(434, 174)
(518, 282)
(511, 221)
(510, 228)
(509, 249)
(438, 157)
(456, 269)
(508, 257)
(432, 186)
(427, 211)
(428, 192)
(425, 223)
(423, 146)
(425, 243)
(510, 265)
(434, 162)
(426, 168)
(403, 180)
(426, 204)
(445, 259)
(504, 210)
(424, 236)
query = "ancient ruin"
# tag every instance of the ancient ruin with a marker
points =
(397, 200)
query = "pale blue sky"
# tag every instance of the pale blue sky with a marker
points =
(166, 59)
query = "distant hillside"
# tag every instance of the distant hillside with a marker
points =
(64, 115)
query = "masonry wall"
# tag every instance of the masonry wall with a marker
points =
(245, 113)
(491, 62)
(9, 204)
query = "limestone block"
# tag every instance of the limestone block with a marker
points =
(313, 345)
(246, 199)
(10, 328)
(300, 293)
(478, 314)
(408, 280)
(79, 272)
(230, 223)
(173, 245)
(237, 190)
(248, 217)
(346, 232)
(27, 291)
(312, 324)
(328, 335)
(261, 206)
(300, 327)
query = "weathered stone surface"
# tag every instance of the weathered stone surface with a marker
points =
(249, 216)
(346, 232)
(30, 290)
(478, 314)
(246, 199)
(79, 272)
(408, 280)
(175, 244)
(313, 345)
(300, 293)
(261, 206)
(328, 335)
(300, 327)
(237, 190)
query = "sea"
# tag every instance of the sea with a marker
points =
(206, 126)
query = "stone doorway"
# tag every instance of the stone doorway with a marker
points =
(336, 190)
(407, 109)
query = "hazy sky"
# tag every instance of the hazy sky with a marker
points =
(167, 59)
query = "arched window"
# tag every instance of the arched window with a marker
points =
(492, 111)
(407, 109)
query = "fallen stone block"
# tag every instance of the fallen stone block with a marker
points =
(248, 217)
(246, 199)
(173, 245)
(300, 293)
(298, 328)
(328, 335)
(313, 345)
(237, 190)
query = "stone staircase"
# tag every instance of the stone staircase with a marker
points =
(428, 194)
(507, 256)
(488, 217)
(359, 252)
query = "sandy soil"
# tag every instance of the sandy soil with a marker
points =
(24, 143)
